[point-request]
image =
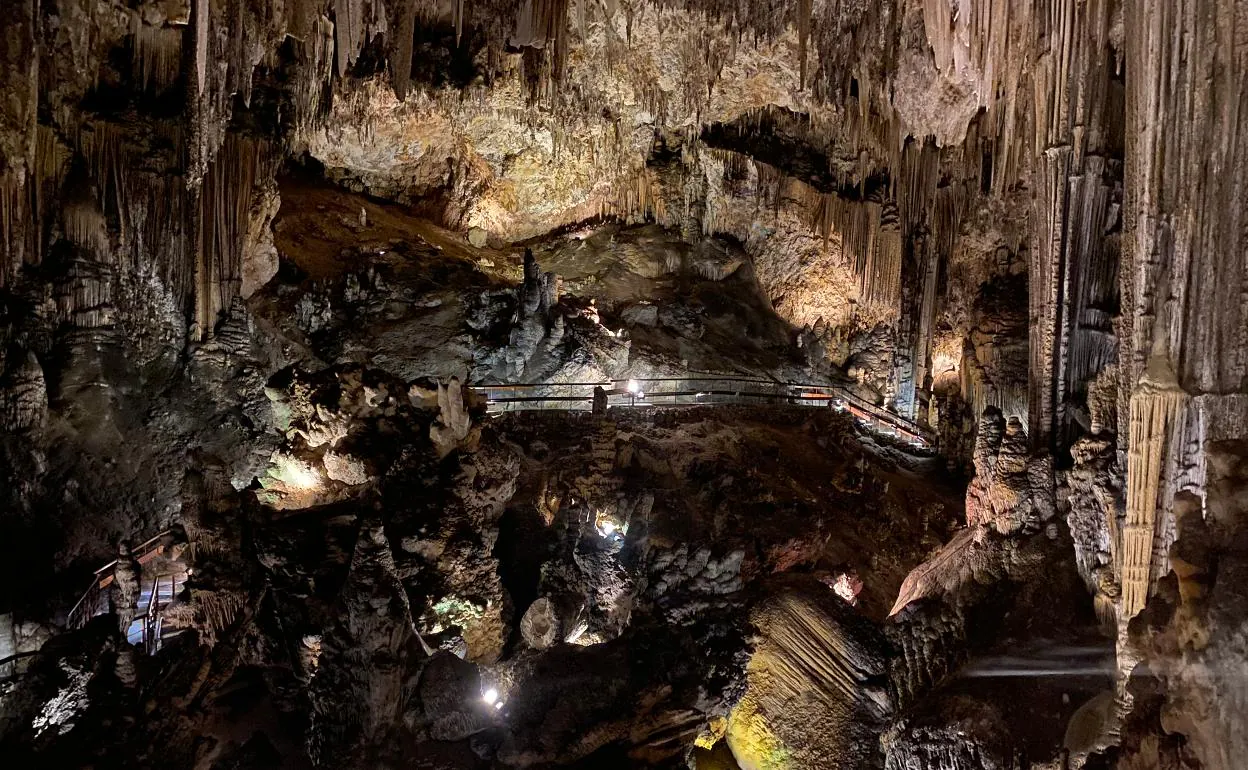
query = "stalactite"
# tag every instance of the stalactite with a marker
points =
(150, 209)
(346, 33)
(542, 25)
(871, 240)
(1072, 269)
(1155, 407)
(19, 109)
(157, 55)
(1187, 228)
(938, 20)
(316, 75)
(225, 205)
(639, 198)
(201, 18)
(915, 186)
(50, 162)
(84, 299)
(13, 222)
(804, 8)
(402, 57)
(86, 227)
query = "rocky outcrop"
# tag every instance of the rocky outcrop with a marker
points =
(1012, 491)
(787, 720)
(974, 738)
(453, 428)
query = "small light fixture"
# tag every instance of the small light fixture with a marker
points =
(634, 387)
(490, 696)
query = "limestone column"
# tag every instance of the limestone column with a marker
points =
(1155, 406)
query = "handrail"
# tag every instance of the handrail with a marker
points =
(142, 553)
(17, 656)
(509, 394)
(14, 660)
(138, 549)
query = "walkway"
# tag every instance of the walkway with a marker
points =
(161, 581)
(701, 391)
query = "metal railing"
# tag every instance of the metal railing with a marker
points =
(156, 593)
(698, 391)
(14, 666)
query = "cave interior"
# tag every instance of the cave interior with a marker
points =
(704, 384)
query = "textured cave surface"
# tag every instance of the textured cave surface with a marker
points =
(259, 260)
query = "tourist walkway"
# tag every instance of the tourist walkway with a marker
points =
(700, 391)
(161, 581)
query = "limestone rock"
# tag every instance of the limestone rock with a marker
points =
(345, 468)
(259, 255)
(540, 625)
(453, 429)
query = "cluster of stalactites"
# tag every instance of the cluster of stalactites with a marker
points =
(157, 54)
(873, 224)
(1155, 408)
(984, 38)
(225, 205)
(121, 217)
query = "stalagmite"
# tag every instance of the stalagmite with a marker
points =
(24, 397)
(540, 624)
(126, 588)
(453, 429)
